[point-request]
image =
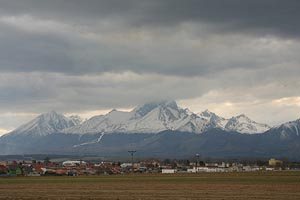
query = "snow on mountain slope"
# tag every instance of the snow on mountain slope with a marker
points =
(213, 120)
(111, 122)
(243, 124)
(192, 123)
(293, 126)
(288, 129)
(148, 118)
(76, 119)
(165, 115)
(45, 124)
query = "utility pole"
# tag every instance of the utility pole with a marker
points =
(197, 161)
(132, 153)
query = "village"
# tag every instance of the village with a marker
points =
(47, 167)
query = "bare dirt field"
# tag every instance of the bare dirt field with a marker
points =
(258, 185)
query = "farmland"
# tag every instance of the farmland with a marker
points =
(254, 185)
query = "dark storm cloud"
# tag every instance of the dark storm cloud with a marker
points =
(166, 52)
(23, 52)
(263, 16)
(65, 53)
(72, 52)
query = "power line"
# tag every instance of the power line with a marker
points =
(197, 161)
(132, 152)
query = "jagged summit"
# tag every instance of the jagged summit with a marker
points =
(213, 120)
(152, 117)
(45, 124)
(288, 130)
(155, 117)
(170, 104)
(113, 110)
(144, 109)
(76, 119)
(206, 114)
(243, 116)
(244, 124)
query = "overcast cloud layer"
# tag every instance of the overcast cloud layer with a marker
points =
(82, 57)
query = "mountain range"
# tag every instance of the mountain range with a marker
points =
(161, 127)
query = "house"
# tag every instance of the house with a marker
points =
(14, 169)
(39, 168)
(275, 163)
(125, 165)
(73, 163)
(27, 169)
(168, 171)
(3, 169)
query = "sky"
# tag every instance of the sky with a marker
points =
(87, 57)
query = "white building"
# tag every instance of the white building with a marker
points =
(168, 171)
(125, 165)
(70, 163)
(207, 169)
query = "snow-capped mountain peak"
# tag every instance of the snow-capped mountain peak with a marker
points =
(188, 111)
(144, 109)
(213, 120)
(243, 116)
(206, 114)
(151, 117)
(148, 118)
(170, 104)
(45, 124)
(155, 117)
(244, 124)
(288, 129)
(113, 121)
(76, 119)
